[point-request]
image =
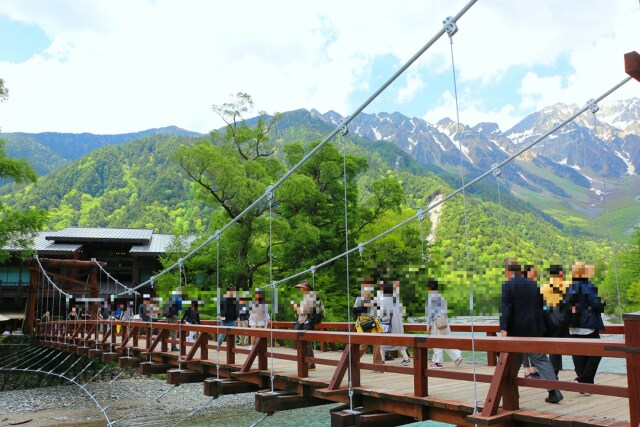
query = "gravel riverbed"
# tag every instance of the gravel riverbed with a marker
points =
(128, 402)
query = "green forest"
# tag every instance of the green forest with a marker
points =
(192, 187)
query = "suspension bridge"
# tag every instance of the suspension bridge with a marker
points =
(276, 367)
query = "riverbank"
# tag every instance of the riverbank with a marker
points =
(131, 402)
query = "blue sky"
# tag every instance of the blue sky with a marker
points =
(129, 65)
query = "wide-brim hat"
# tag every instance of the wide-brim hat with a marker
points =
(580, 270)
(303, 285)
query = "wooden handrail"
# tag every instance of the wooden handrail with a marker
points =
(335, 332)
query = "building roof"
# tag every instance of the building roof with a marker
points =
(157, 245)
(71, 239)
(95, 234)
(42, 245)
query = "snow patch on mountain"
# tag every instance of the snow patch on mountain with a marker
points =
(518, 137)
(631, 170)
(376, 134)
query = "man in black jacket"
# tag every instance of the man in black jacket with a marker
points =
(523, 316)
(229, 309)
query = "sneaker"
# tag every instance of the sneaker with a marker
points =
(458, 361)
(532, 375)
(174, 348)
(436, 365)
(405, 362)
(554, 397)
(312, 367)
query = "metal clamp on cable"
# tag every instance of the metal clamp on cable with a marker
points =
(360, 249)
(344, 129)
(420, 214)
(269, 192)
(450, 26)
(496, 170)
(593, 105)
(312, 269)
(216, 235)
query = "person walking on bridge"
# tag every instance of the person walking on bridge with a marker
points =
(310, 311)
(584, 308)
(553, 293)
(438, 324)
(229, 309)
(522, 316)
(366, 309)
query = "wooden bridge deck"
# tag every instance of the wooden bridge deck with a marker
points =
(398, 395)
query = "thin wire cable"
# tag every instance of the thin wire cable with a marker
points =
(500, 216)
(454, 193)
(606, 204)
(346, 243)
(273, 293)
(218, 305)
(466, 225)
(89, 395)
(116, 281)
(317, 148)
(195, 411)
(47, 276)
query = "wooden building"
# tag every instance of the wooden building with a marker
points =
(129, 255)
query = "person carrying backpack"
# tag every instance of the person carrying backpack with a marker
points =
(310, 312)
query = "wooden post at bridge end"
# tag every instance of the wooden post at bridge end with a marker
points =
(632, 64)
(632, 348)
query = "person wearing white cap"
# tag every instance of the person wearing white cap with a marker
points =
(310, 311)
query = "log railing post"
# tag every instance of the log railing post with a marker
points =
(302, 347)
(632, 348)
(262, 354)
(420, 381)
(492, 356)
(355, 365)
(231, 346)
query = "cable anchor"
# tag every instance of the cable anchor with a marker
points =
(496, 170)
(450, 26)
(593, 105)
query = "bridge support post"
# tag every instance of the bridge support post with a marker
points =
(632, 347)
(503, 386)
(632, 64)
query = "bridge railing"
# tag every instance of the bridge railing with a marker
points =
(504, 382)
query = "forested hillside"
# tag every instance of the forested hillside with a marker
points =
(183, 185)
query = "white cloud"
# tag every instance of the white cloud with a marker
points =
(127, 65)
(414, 83)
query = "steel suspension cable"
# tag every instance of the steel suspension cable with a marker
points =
(454, 192)
(317, 148)
(344, 131)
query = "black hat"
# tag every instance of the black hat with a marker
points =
(555, 270)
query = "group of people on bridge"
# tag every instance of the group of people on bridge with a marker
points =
(558, 308)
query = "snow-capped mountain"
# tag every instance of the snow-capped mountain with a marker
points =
(590, 148)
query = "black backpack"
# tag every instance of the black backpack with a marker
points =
(317, 315)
